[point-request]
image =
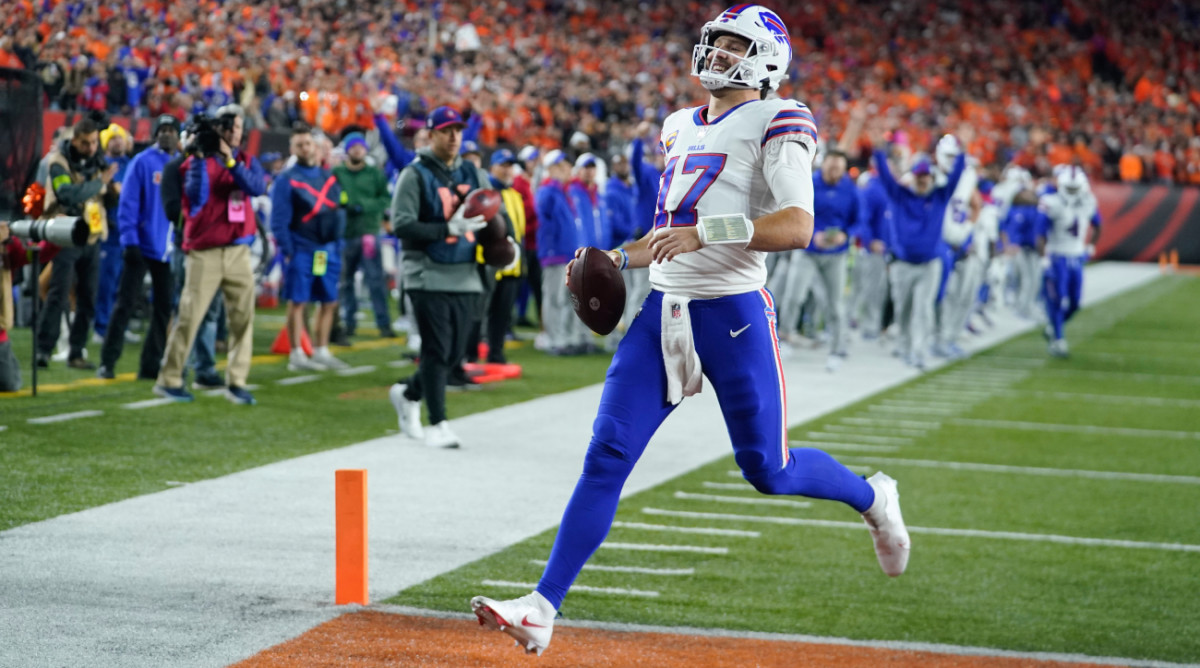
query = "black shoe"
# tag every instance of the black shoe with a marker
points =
(43, 361)
(81, 364)
(208, 381)
(105, 372)
(387, 334)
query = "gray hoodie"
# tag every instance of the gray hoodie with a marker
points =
(420, 272)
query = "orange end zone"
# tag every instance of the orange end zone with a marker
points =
(367, 639)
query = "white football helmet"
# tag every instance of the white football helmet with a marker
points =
(1018, 175)
(766, 61)
(948, 148)
(1072, 181)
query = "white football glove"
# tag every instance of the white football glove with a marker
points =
(459, 225)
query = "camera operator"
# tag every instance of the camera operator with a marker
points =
(218, 228)
(77, 185)
(12, 258)
(146, 238)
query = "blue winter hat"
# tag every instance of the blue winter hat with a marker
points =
(353, 138)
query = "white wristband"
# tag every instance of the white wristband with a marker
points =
(732, 228)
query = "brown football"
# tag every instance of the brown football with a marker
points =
(498, 253)
(597, 291)
(486, 203)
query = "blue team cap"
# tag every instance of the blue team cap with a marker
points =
(922, 166)
(528, 153)
(468, 146)
(502, 156)
(553, 158)
(443, 117)
(985, 186)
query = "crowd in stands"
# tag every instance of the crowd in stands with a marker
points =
(1113, 86)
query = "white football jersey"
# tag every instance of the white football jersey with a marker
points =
(715, 167)
(1069, 219)
(957, 225)
(987, 230)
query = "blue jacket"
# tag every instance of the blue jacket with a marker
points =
(122, 163)
(620, 200)
(1021, 225)
(306, 209)
(141, 219)
(874, 213)
(398, 156)
(834, 207)
(916, 230)
(591, 216)
(558, 232)
(647, 178)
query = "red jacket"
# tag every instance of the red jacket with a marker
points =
(521, 184)
(208, 187)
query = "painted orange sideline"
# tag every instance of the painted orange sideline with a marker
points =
(370, 638)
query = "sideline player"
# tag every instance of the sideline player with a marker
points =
(737, 184)
(1065, 241)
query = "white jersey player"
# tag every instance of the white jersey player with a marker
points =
(737, 184)
(1065, 238)
(961, 234)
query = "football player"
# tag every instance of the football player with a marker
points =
(1067, 229)
(737, 184)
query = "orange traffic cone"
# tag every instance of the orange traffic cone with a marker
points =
(1162, 262)
(1174, 260)
(283, 344)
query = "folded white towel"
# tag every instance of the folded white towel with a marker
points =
(679, 350)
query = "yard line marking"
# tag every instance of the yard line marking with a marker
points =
(961, 395)
(1033, 470)
(593, 590)
(951, 384)
(1078, 428)
(880, 440)
(889, 422)
(736, 486)
(296, 380)
(148, 403)
(939, 405)
(753, 501)
(853, 430)
(356, 370)
(647, 547)
(852, 447)
(936, 531)
(876, 408)
(1156, 377)
(399, 364)
(641, 570)
(1116, 398)
(704, 531)
(63, 417)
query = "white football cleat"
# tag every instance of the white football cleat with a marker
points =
(408, 412)
(529, 619)
(298, 361)
(326, 359)
(892, 543)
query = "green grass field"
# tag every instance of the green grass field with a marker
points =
(959, 440)
(993, 589)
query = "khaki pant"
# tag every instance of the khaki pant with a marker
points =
(228, 269)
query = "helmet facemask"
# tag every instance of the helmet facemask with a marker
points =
(752, 70)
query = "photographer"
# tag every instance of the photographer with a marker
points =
(77, 185)
(146, 238)
(12, 258)
(218, 228)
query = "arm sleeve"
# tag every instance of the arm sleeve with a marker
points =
(397, 154)
(894, 190)
(281, 215)
(956, 172)
(406, 209)
(250, 178)
(131, 204)
(474, 125)
(547, 228)
(788, 170)
(195, 184)
(72, 194)
(637, 152)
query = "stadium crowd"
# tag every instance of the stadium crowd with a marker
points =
(1113, 86)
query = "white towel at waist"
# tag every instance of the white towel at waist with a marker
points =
(679, 349)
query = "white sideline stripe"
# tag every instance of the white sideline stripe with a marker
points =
(939, 405)
(296, 380)
(63, 417)
(399, 364)
(1115, 398)
(592, 590)
(895, 645)
(647, 547)
(1033, 470)
(852, 447)
(877, 408)
(703, 531)
(356, 370)
(750, 501)
(936, 531)
(736, 486)
(641, 570)
(854, 430)
(888, 422)
(880, 440)
(149, 403)
(1078, 428)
